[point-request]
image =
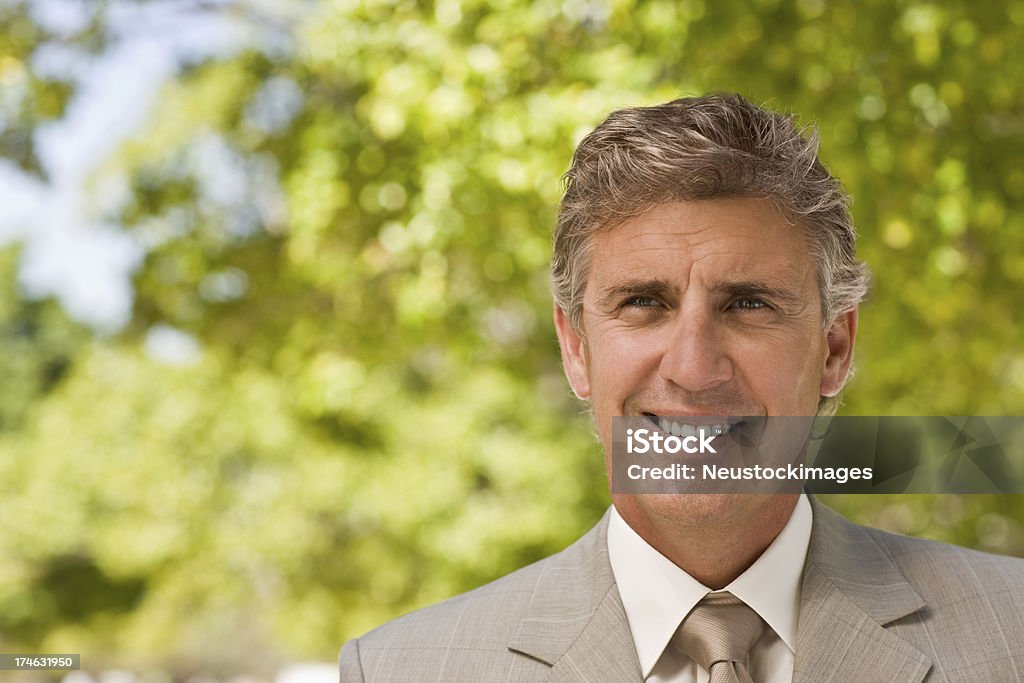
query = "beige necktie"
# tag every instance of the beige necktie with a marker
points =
(718, 634)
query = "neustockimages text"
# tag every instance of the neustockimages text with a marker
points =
(645, 441)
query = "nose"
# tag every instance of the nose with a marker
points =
(695, 357)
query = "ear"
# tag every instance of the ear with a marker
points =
(839, 338)
(574, 357)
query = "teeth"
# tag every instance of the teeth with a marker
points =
(684, 430)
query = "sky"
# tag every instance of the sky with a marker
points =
(70, 252)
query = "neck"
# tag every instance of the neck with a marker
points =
(714, 538)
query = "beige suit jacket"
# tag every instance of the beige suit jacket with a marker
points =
(874, 607)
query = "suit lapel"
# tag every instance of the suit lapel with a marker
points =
(851, 590)
(604, 651)
(575, 621)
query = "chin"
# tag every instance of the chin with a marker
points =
(692, 510)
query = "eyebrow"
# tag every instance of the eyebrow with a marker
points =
(761, 290)
(653, 288)
(660, 288)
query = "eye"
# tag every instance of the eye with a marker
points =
(641, 309)
(640, 302)
(749, 304)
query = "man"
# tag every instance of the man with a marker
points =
(704, 266)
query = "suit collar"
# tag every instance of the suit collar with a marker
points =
(575, 621)
(847, 554)
(851, 590)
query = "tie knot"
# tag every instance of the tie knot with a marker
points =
(721, 628)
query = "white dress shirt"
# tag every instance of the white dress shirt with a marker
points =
(657, 595)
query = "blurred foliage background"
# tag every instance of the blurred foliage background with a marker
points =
(353, 226)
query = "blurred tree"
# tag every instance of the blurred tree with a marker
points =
(354, 226)
(38, 345)
(29, 99)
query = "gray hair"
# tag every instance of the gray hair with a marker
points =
(716, 146)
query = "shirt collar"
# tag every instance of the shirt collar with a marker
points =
(657, 595)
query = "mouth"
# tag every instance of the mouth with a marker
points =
(683, 427)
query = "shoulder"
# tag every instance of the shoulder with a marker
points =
(961, 609)
(972, 624)
(941, 573)
(468, 637)
(484, 614)
(464, 638)
(947, 574)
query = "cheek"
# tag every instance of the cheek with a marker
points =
(618, 365)
(790, 381)
(771, 351)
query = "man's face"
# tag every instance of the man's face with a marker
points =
(704, 308)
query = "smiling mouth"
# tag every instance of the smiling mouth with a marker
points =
(683, 429)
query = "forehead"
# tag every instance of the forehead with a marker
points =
(728, 239)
